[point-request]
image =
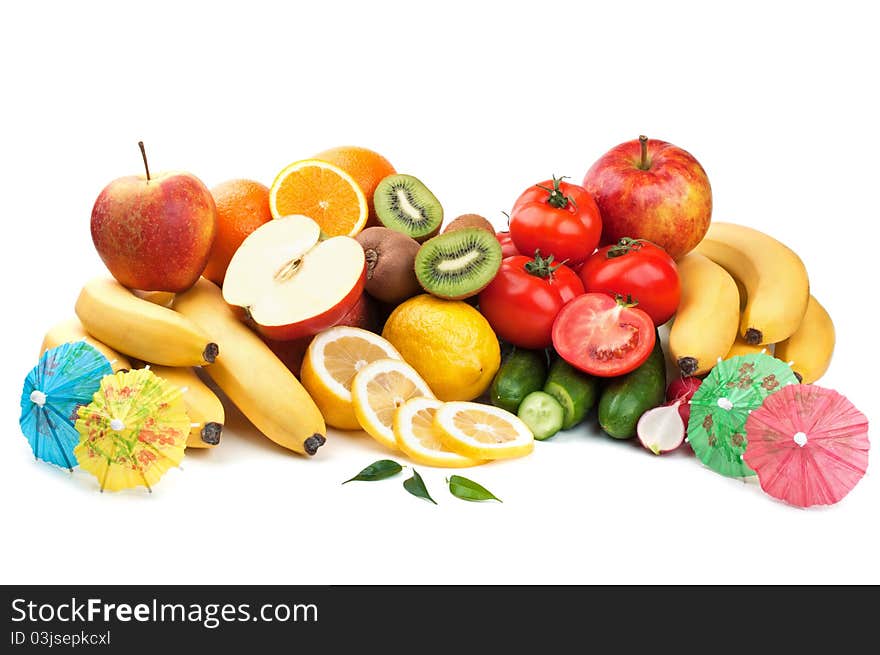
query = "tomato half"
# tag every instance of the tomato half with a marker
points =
(603, 336)
(638, 269)
(556, 218)
(525, 296)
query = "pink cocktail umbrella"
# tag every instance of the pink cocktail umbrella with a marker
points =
(808, 445)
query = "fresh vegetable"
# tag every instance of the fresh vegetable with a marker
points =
(542, 413)
(683, 389)
(661, 429)
(603, 336)
(639, 269)
(625, 399)
(508, 247)
(521, 373)
(557, 218)
(575, 391)
(524, 298)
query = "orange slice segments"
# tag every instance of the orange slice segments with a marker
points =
(323, 192)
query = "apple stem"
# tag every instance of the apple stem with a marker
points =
(643, 162)
(144, 155)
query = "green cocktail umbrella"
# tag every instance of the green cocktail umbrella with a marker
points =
(722, 404)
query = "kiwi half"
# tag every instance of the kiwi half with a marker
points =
(405, 204)
(458, 264)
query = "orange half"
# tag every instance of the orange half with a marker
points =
(323, 192)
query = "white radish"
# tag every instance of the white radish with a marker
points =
(661, 429)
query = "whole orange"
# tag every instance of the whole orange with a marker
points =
(242, 207)
(368, 168)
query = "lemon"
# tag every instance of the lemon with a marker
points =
(416, 436)
(482, 431)
(448, 342)
(332, 360)
(378, 390)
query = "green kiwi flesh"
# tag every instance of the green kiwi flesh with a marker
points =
(458, 264)
(405, 204)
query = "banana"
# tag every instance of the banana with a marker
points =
(141, 329)
(708, 315)
(72, 330)
(202, 405)
(774, 277)
(252, 376)
(164, 298)
(743, 347)
(810, 348)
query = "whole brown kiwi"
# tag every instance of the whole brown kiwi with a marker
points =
(391, 257)
(469, 220)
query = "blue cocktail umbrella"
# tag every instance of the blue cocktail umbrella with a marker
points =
(65, 378)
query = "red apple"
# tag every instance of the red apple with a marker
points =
(362, 315)
(155, 232)
(291, 283)
(649, 189)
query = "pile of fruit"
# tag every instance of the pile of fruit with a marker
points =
(339, 296)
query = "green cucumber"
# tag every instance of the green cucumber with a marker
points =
(626, 398)
(574, 390)
(542, 413)
(521, 373)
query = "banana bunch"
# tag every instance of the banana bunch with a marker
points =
(140, 328)
(743, 290)
(72, 330)
(247, 371)
(174, 339)
(202, 406)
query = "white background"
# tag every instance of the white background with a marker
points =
(777, 101)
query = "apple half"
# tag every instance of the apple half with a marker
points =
(290, 282)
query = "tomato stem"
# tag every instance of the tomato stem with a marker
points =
(629, 301)
(644, 164)
(557, 198)
(542, 266)
(624, 247)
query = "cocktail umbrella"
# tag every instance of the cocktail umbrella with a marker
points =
(809, 445)
(63, 379)
(720, 407)
(133, 431)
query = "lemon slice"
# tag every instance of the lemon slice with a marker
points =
(332, 360)
(482, 431)
(378, 390)
(416, 436)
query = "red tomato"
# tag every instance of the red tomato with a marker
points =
(638, 269)
(557, 218)
(523, 300)
(508, 247)
(603, 336)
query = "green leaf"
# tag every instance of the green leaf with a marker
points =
(469, 490)
(416, 486)
(380, 470)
